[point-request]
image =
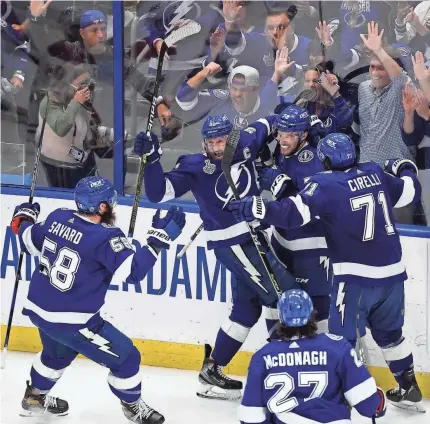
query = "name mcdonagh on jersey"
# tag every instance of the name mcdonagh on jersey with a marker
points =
(190, 277)
(296, 358)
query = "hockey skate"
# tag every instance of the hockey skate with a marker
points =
(139, 412)
(36, 404)
(214, 384)
(409, 396)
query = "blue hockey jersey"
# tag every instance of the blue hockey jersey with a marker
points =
(78, 261)
(204, 178)
(355, 209)
(308, 240)
(307, 380)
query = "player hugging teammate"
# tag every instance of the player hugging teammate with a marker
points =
(323, 201)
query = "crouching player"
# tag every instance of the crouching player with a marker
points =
(306, 377)
(81, 252)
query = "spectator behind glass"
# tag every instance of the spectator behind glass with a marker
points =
(259, 50)
(243, 103)
(330, 112)
(14, 61)
(67, 143)
(416, 129)
(381, 111)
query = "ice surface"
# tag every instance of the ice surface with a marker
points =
(170, 391)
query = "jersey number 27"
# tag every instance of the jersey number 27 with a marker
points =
(280, 401)
(64, 267)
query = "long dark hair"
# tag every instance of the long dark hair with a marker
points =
(308, 330)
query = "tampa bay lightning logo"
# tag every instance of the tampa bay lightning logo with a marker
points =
(305, 156)
(241, 176)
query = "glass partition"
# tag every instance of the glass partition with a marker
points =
(249, 59)
(57, 68)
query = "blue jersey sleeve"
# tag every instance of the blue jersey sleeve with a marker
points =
(403, 190)
(31, 238)
(161, 186)
(261, 130)
(296, 211)
(358, 385)
(253, 408)
(117, 255)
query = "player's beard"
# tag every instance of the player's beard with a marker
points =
(108, 217)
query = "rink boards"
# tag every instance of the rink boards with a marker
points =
(182, 303)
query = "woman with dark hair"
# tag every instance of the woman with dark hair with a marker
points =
(330, 110)
(307, 376)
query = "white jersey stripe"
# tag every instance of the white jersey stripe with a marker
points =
(368, 271)
(251, 414)
(307, 243)
(361, 392)
(59, 317)
(408, 193)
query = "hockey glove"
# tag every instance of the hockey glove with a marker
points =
(171, 129)
(248, 208)
(382, 407)
(24, 212)
(166, 227)
(272, 179)
(396, 166)
(150, 146)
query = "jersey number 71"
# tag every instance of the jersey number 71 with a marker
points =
(368, 202)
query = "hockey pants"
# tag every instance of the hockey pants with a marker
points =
(382, 310)
(101, 342)
(252, 292)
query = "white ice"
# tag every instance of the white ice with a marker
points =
(170, 391)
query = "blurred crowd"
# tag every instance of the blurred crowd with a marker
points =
(358, 67)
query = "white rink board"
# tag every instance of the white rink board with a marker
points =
(182, 312)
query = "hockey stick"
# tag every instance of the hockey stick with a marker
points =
(21, 255)
(360, 347)
(227, 160)
(177, 35)
(192, 238)
(308, 95)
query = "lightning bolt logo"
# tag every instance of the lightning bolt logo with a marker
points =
(98, 340)
(340, 305)
(179, 13)
(325, 262)
(248, 267)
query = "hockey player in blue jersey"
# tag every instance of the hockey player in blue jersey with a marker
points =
(81, 253)
(252, 290)
(303, 250)
(354, 204)
(306, 377)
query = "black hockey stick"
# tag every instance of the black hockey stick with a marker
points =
(227, 160)
(177, 35)
(190, 241)
(308, 95)
(21, 255)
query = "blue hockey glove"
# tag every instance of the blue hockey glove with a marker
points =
(382, 407)
(266, 177)
(24, 212)
(272, 179)
(166, 227)
(396, 166)
(248, 208)
(145, 145)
